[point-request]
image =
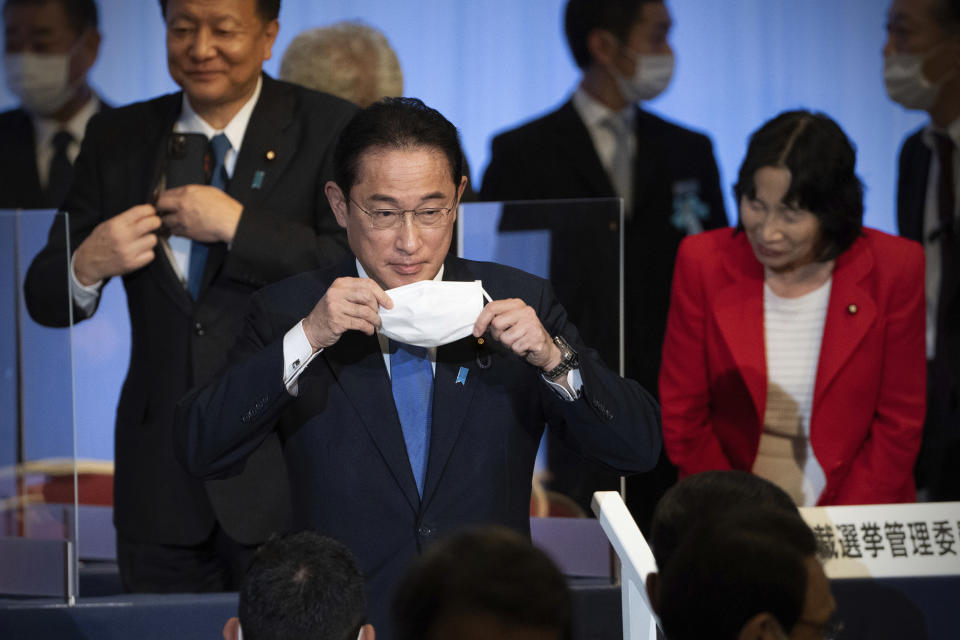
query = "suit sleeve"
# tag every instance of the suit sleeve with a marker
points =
(46, 286)
(500, 178)
(688, 434)
(882, 471)
(615, 421)
(218, 425)
(269, 247)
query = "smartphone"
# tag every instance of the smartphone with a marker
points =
(188, 160)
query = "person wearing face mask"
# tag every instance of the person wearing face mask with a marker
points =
(406, 407)
(50, 47)
(922, 72)
(603, 143)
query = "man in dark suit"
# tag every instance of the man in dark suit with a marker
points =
(390, 445)
(50, 47)
(922, 72)
(601, 144)
(190, 256)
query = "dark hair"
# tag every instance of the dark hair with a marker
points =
(727, 571)
(81, 14)
(492, 572)
(302, 586)
(947, 13)
(583, 16)
(268, 9)
(704, 497)
(821, 161)
(394, 123)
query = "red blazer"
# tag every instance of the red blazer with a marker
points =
(869, 395)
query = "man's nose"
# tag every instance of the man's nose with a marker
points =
(408, 235)
(202, 47)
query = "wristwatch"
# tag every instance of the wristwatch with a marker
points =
(569, 359)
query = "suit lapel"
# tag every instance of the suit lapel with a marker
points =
(156, 136)
(850, 314)
(649, 162)
(269, 144)
(912, 193)
(738, 310)
(451, 399)
(578, 152)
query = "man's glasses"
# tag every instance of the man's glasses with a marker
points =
(424, 217)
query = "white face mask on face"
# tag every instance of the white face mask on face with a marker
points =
(651, 76)
(431, 313)
(41, 81)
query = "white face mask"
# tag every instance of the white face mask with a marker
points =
(431, 313)
(905, 82)
(651, 76)
(41, 81)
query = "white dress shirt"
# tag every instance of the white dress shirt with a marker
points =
(595, 117)
(45, 128)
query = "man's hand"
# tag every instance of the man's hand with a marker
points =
(122, 244)
(200, 212)
(515, 325)
(349, 303)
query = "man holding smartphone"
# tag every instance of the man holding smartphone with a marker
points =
(189, 257)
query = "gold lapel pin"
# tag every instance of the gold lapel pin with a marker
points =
(271, 154)
(852, 309)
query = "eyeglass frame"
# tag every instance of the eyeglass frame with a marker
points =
(445, 211)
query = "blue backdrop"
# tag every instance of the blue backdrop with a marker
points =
(491, 64)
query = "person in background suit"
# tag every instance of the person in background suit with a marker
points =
(301, 586)
(602, 143)
(922, 72)
(190, 256)
(51, 46)
(392, 444)
(794, 344)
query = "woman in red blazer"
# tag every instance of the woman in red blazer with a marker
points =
(799, 237)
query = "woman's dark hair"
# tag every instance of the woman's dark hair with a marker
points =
(821, 162)
(394, 123)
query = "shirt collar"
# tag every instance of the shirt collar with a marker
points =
(363, 273)
(45, 128)
(190, 122)
(594, 113)
(952, 130)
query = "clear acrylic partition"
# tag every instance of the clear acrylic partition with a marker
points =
(578, 246)
(38, 473)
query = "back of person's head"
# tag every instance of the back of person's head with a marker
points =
(487, 583)
(822, 162)
(748, 569)
(81, 14)
(708, 496)
(348, 59)
(303, 586)
(395, 123)
(583, 16)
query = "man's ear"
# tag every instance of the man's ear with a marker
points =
(338, 202)
(366, 632)
(603, 47)
(231, 630)
(762, 626)
(653, 591)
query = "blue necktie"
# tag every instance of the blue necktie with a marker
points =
(411, 376)
(198, 250)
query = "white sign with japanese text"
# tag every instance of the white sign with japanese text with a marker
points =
(891, 540)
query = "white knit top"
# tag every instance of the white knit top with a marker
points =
(793, 332)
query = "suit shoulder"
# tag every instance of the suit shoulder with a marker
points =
(535, 128)
(890, 250)
(913, 144)
(504, 278)
(14, 118)
(313, 101)
(678, 134)
(709, 244)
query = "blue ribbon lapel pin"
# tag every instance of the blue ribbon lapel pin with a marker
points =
(462, 376)
(258, 176)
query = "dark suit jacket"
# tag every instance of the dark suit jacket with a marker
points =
(869, 398)
(943, 439)
(20, 185)
(553, 157)
(286, 227)
(350, 476)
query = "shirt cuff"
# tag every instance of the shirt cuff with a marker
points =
(297, 354)
(574, 381)
(83, 296)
